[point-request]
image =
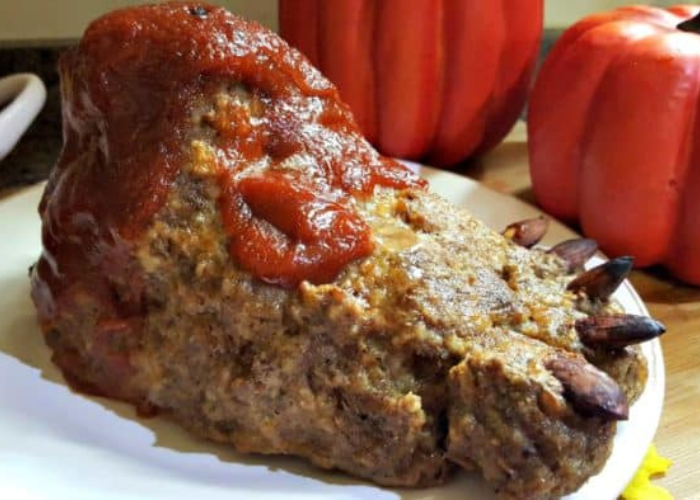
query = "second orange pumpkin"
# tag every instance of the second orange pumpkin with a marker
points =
(614, 134)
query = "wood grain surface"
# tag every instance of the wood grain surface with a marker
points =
(675, 304)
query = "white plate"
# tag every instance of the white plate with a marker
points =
(56, 444)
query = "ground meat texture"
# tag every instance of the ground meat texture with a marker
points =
(425, 352)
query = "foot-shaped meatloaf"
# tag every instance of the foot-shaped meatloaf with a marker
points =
(222, 245)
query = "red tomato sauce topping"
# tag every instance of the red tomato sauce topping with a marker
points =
(130, 89)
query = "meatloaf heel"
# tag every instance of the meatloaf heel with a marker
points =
(509, 418)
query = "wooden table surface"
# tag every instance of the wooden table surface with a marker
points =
(675, 304)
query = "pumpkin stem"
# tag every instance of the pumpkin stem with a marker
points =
(691, 25)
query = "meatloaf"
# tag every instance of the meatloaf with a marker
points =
(222, 246)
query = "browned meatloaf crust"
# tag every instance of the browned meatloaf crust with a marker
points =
(431, 353)
(418, 357)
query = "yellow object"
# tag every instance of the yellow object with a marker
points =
(640, 488)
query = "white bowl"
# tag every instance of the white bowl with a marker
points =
(21, 98)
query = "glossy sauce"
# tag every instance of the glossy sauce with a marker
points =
(129, 93)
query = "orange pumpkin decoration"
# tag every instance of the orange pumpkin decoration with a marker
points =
(614, 134)
(426, 79)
